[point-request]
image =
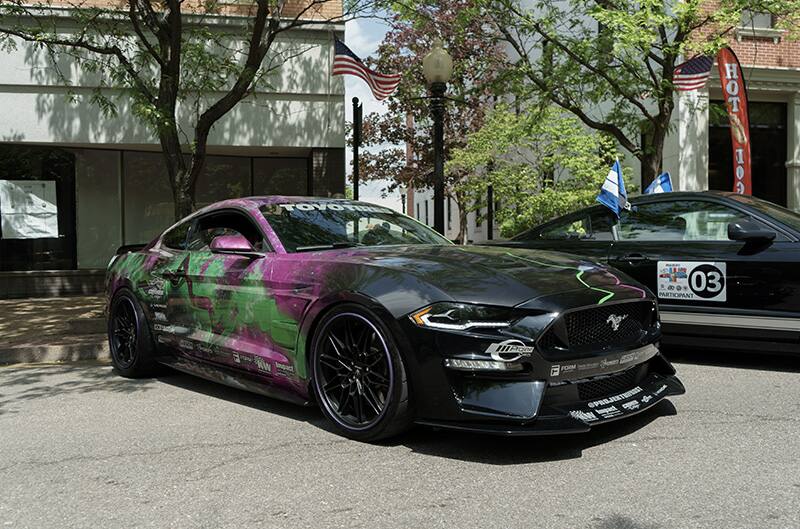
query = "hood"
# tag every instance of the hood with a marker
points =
(495, 275)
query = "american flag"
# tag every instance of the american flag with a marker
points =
(692, 74)
(345, 62)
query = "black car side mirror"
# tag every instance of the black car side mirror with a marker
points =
(749, 231)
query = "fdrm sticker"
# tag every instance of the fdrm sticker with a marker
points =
(692, 280)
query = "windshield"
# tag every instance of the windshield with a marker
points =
(781, 214)
(308, 226)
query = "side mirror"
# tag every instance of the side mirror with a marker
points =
(749, 231)
(236, 244)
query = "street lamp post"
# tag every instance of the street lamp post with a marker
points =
(437, 66)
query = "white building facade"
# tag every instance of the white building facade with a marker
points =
(105, 179)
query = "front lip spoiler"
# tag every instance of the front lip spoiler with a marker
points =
(563, 419)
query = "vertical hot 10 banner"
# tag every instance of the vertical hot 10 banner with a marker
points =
(735, 93)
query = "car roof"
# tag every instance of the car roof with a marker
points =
(677, 195)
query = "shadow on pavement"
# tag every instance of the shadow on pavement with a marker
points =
(497, 450)
(737, 359)
(28, 383)
(444, 443)
(310, 414)
(36, 382)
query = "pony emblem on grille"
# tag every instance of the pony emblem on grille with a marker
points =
(616, 320)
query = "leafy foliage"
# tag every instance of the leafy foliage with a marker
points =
(477, 62)
(540, 164)
(610, 63)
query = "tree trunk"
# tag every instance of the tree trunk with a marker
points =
(179, 177)
(462, 219)
(652, 157)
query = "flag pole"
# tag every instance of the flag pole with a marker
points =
(357, 118)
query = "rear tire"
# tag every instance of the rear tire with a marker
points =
(129, 337)
(358, 376)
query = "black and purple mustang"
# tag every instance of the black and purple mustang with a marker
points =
(384, 323)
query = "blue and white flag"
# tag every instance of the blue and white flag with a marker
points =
(662, 184)
(612, 194)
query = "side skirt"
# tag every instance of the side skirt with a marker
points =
(232, 378)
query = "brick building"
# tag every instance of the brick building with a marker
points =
(101, 182)
(698, 154)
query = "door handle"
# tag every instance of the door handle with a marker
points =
(635, 258)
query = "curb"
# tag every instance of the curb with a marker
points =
(95, 349)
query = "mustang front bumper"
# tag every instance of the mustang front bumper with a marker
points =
(537, 395)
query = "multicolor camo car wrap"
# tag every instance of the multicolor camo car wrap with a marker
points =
(257, 314)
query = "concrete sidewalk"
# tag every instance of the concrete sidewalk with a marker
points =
(52, 329)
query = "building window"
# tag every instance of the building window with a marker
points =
(37, 208)
(426, 211)
(280, 176)
(417, 210)
(756, 20)
(223, 177)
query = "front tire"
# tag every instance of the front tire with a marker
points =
(358, 375)
(129, 338)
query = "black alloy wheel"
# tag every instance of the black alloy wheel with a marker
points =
(129, 338)
(358, 375)
(124, 331)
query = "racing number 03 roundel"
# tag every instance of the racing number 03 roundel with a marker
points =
(692, 280)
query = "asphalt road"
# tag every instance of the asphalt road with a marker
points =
(80, 447)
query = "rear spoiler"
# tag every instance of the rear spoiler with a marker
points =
(130, 248)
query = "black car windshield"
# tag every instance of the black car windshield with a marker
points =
(781, 214)
(309, 226)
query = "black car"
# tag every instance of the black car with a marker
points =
(382, 322)
(721, 264)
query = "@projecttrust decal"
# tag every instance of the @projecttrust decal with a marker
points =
(692, 280)
(509, 351)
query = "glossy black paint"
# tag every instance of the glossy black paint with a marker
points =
(763, 283)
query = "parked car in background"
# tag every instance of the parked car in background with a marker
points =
(725, 267)
(383, 322)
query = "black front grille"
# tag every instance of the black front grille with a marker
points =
(607, 386)
(599, 328)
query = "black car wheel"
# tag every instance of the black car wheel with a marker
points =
(358, 375)
(129, 339)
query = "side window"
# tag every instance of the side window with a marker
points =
(685, 220)
(602, 224)
(573, 228)
(176, 237)
(225, 223)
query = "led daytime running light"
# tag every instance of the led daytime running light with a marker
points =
(422, 318)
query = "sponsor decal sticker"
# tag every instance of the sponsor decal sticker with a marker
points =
(333, 206)
(631, 405)
(586, 416)
(609, 412)
(263, 365)
(284, 369)
(616, 398)
(692, 280)
(646, 399)
(509, 351)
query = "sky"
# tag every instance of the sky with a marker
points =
(363, 37)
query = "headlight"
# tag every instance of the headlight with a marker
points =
(462, 316)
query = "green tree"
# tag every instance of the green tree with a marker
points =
(610, 64)
(541, 164)
(166, 57)
(407, 123)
